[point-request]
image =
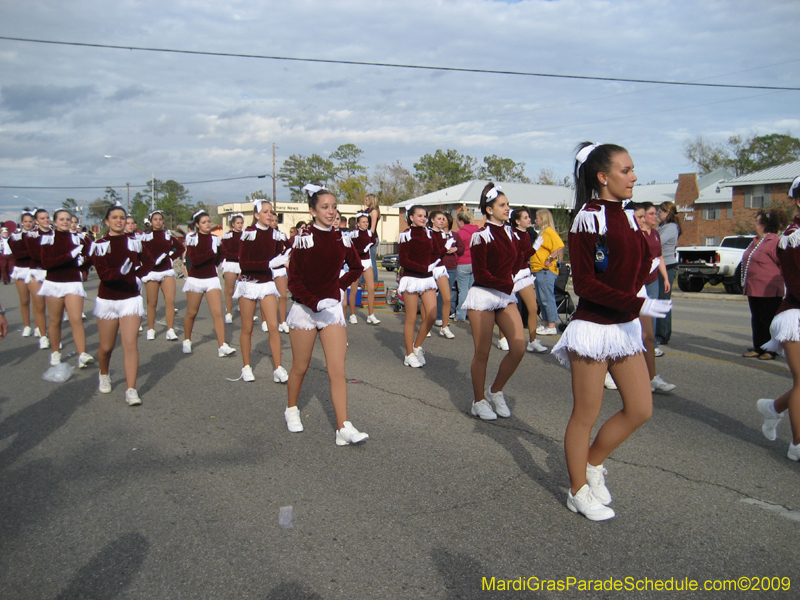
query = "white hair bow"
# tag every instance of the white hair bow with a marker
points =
(493, 193)
(361, 214)
(234, 215)
(312, 189)
(795, 185)
(155, 212)
(198, 213)
(584, 154)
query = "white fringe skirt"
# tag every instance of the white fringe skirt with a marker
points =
(521, 284)
(366, 263)
(59, 289)
(302, 317)
(116, 309)
(201, 286)
(231, 266)
(20, 273)
(481, 298)
(255, 291)
(785, 327)
(37, 274)
(440, 271)
(416, 285)
(599, 342)
(281, 272)
(158, 275)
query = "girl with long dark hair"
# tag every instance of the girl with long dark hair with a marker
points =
(231, 243)
(163, 248)
(37, 273)
(22, 268)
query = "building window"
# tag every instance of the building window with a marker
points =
(711, 241)
(711, 212)
(757, 196)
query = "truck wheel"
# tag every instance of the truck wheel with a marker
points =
(691, 284)
(734, 284)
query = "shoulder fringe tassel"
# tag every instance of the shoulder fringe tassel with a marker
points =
(229, 235)
(405, 236)
(793, 240)
(590, 221)
(135, 245)
(215, 243)
(247, 236)
(632, 220)
(481, 236)
(348, 241)
(147, 237)
(99, 248)
(303, 242)
(191, 239)
(48, 239)
(278, 235)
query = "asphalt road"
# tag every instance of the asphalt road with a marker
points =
(180, 497)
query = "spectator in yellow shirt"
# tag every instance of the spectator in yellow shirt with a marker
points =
(544, 266)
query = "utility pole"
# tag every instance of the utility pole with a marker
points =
(128, 185)
(274, 186)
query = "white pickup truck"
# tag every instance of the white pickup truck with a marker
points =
(698, 265)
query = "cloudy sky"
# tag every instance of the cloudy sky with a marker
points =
(189, 118)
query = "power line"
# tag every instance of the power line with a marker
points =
(102, 187)
(401, 66)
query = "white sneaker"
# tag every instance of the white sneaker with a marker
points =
(225, 350)
(55, 359)
(353, 320)
(283, 327)
(585, 503)
(610, 383)
(659, 385)
(483, 410)
(420, 354)
(132, 397)
(141, 328)
(349, 435)
(83, 316)
(536, 346)
(794, 452)
(105, 384)
(44, 342)
(373, 320)
(540, 330)
(265, 327)
(151, 334)
(85, 359)
(255, 318)
(228, 318)
(280, 375)
(412, 361)
(427, 335)
(293, 422)
(595, 477)
(771, 418)
(26, 332)
(445, 332)
(498, 400)
(659, 352)
(438, 322)
(66, 317)
(502, 343)
(171, 335)
(187, 346)
(36, 333)
(247, 373)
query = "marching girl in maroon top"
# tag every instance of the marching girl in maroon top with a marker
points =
(316, 287)
(495, 260)
(363, 239)
(261, 249)
(418, 258)
(281, 280)
(610, 261)
(37, 273)
(203, 250)
(785, 332)
(120, 261)
(446, 244)
(163, 248)
(523, 278)
(22, 267)
(63, 254)
(230, 261)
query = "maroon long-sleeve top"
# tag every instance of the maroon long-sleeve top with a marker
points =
(56, 254)
(495, 256)
(417, 251)
(363, 240)
(204, 253)
(108, 254)
(524, 249)
(159, 243)
(33, 241)
(259, 245)
(789, 259)
(231, 243)
(317, 258)
(450, 261)
(19, 249)
(608, 297)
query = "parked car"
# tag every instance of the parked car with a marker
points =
(389, 261)
(698, 265)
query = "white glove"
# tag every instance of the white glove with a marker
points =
(161, 258)
(450, 243)
(523, 273)
(326, 303)
(80, 260)
(657, 309)
(432, 266)
(76, 251)
(278, 261)
(126, 266)
(642, 293)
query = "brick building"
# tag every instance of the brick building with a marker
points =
(719, 204)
